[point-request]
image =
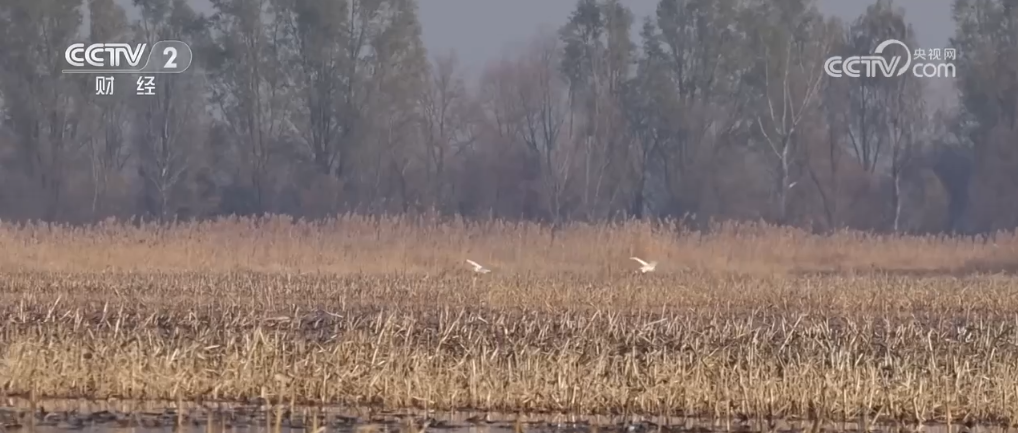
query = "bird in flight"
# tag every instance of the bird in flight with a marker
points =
(645, 266)
(478, 268)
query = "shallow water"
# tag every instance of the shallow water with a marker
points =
(53, 416)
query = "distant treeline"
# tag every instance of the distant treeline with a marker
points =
(719, 110)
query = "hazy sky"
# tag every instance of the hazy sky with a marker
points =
(479, 30)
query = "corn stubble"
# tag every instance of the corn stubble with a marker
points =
(757, 323)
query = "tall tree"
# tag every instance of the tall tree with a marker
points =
(596, 62)
(986, 40)
(109, 144)
(907, 128)
(885, 116)
(526, 103)
(649, 101)
(358, 65)
(446, 123)
(871, 97)
(398, 69)
(317, 33)
(170, 126)
(249, 91)
(43, 107)
(702, 52)
(793, 40)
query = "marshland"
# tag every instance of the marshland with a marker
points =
(747, 324)
(717, 112)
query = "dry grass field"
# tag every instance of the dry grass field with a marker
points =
(744, 322)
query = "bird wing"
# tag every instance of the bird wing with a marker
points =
(641, 261)
(475, 265)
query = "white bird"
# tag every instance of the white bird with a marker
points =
(645, 266)
(478, 268)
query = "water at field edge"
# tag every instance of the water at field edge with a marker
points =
(62, 416)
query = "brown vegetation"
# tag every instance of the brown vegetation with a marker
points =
(360, 311)
(383, 246)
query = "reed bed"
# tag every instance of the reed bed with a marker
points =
(427, 245)
(362, 312)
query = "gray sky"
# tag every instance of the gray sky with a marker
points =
(480, 30)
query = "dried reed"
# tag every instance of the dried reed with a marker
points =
(357, 311)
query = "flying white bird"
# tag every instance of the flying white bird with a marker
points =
(645, 266)
(478, 268)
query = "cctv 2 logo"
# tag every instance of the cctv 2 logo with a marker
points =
(169, 57)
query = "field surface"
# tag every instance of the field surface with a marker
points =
(744, 323)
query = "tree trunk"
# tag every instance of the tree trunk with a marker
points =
(897, 202)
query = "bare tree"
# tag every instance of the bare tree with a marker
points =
(827, 160)
(976, 168)
(543, 103)
(871, 98)
(906, 134)
(168, 125)
(317, 36)
(109, 149)
(793, 45)
(446, 122)
(697, 52)
(527, 106)
(596, 59)
(248, 86)
(44, 107)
